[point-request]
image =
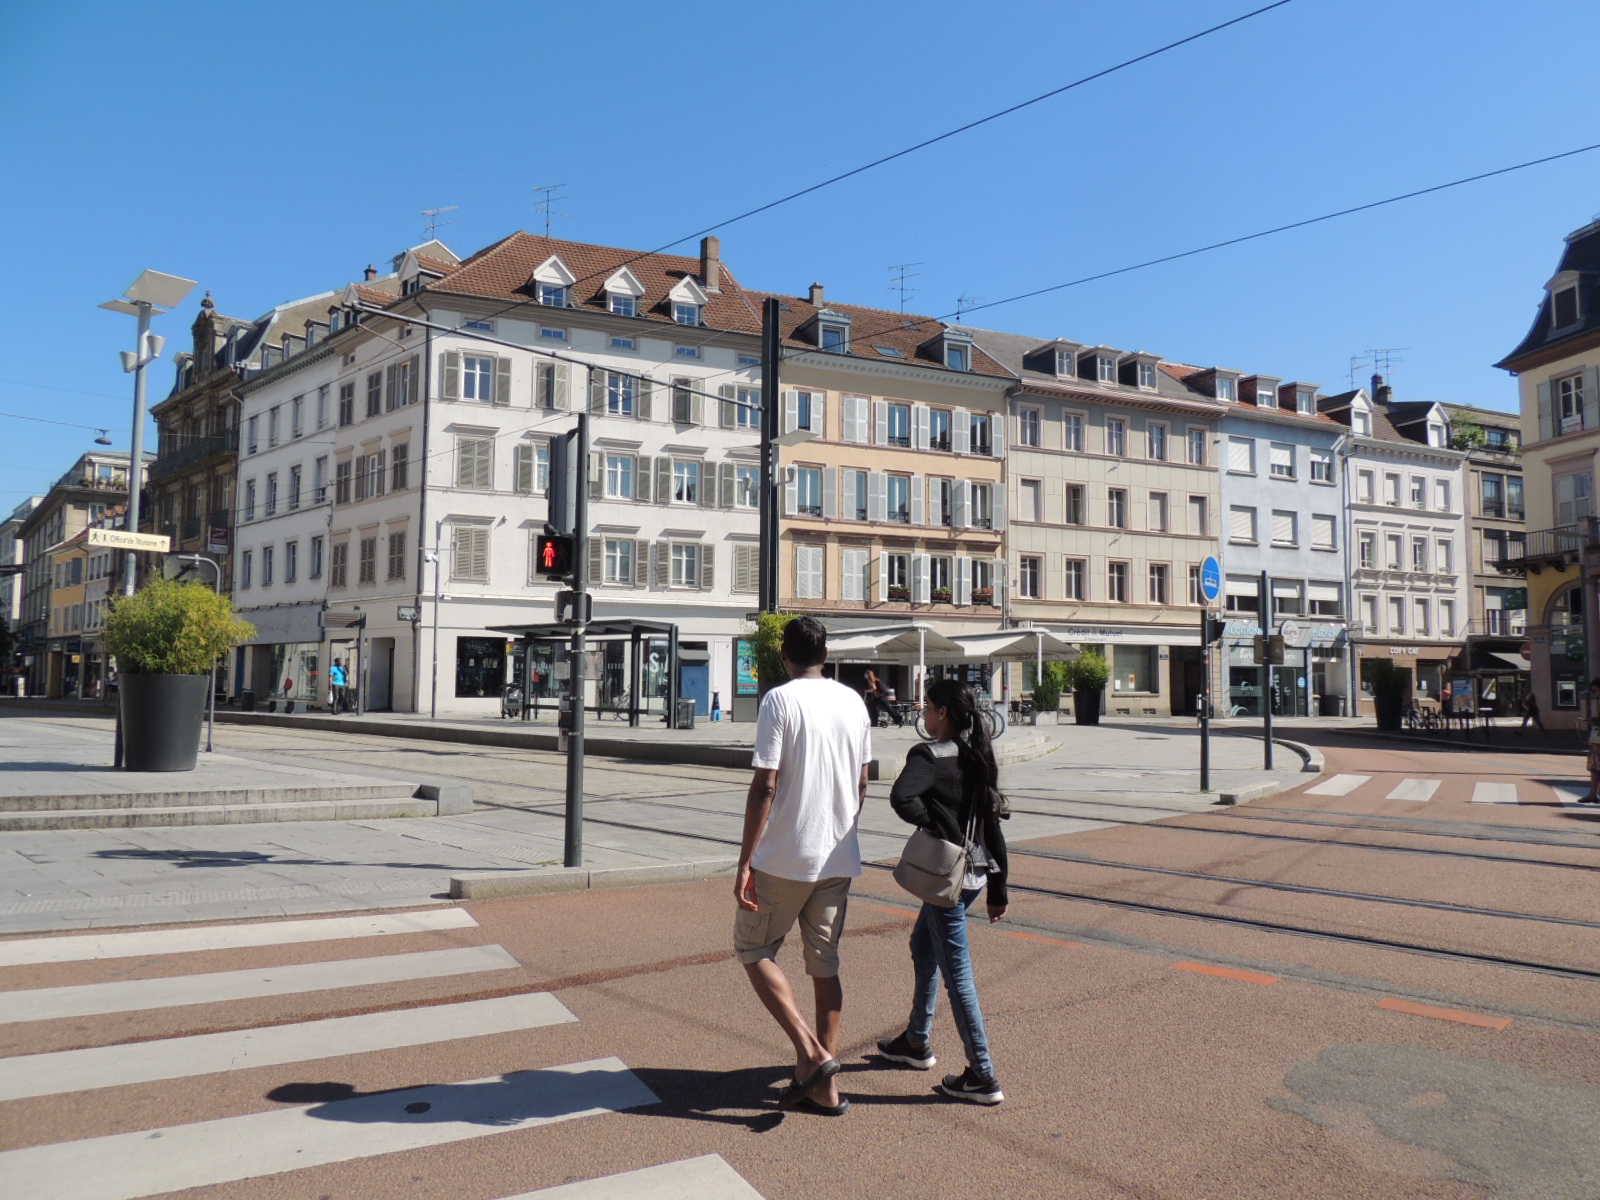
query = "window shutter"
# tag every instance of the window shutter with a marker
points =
(480, 553)
(1545, 424)
(462, 567)
(883, 576)
(595, 476)
(1239, 454)
(563, 386)
(1322, 531)
(961, 432)
(919, 578)
(877, 496)
(727, 409)
(597, 559)
(963, 581)
(916, 499)
(697, 405)
(641, 563)
(522, 480)
(830, 492)
(707, 489)
(597, 392)
(391, 390)
(997, 496)
(880, 420)
(486, 464)
(663, 565)
(502, 382)
(791, 491)
(791, 411)
(1591, 397)
(708, 568)
(819, 414)
(961, 504)
(851, 569)
(641, 479)
(920, 420)
(1241, 524)
(1282, 526)
(726, 483)
(680, 399)
(451, 370)
(644, 399)
(382, 474)
(663, 480)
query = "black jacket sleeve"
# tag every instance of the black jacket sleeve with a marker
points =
(995, 842)
(909, 795)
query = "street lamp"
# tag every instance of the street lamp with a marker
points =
(150, 294)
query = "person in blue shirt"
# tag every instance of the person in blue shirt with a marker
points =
(336, 680)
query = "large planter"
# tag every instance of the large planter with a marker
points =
(1389, 710)
(161, 719)
(1086, 707)
(1052, 717)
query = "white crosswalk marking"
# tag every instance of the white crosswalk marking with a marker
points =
(29, 951)
(1494, 793)
(1568, 794)
(1414, 789)
(180, 1058)
(90, 999)
(706, 1178)
(125, 1166)
(1339, 785)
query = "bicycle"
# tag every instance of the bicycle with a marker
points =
(993, 721)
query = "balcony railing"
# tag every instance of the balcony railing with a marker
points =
(1557, 547)
(195, 451)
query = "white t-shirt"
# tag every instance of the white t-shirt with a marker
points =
(815, 734)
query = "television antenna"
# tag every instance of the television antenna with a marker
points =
(432, 225)
(964, 302)
(546, 198)
(902, 275)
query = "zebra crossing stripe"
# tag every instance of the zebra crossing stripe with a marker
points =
(1494, 793)
(1568, 794)
(1414, 789)
(66, 1071)
(1339, 785)
(126, 1166)
(27, 952)
(706, 1178)
(93, 999)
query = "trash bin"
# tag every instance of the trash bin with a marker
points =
(247, 701)
(685, 714)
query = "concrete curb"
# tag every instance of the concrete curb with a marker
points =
(737, 757)
(491, 885)
(1462, 744)
(1311, 762)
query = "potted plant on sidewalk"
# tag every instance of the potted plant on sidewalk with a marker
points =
(1047, 697)
(1089, 674)
(166, 638)
(1389, 685)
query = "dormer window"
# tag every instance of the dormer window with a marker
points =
(623, 305)
(553, 295)
(1066, 362)
(1435, 434)
(1564, 307)
(623, 293)
(686, 314)
(1225, 389)
(552, 283)
(1361, 422)
(958, 356)
(1305, 403)
(1105, 368)
(1147, 376)
(1266, 398)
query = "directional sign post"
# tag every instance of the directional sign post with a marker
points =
(1210, 589)
(123, 539)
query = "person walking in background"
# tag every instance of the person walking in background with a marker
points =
(336, 684)
(800, 852)
(874, 697)
(1530, 711)
(948, 786)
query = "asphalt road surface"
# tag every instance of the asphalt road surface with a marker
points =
(1382, 984)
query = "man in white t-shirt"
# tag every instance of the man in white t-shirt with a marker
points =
(800, 852)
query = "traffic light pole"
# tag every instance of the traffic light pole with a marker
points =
(771, 346)
(1266, 669)
(575, 679)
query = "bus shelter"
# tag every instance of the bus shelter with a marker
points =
(631, 669)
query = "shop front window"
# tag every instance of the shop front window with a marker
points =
(480, 666)
(1133, 669)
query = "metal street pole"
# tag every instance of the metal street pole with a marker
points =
(1266, 669)
(771, 348)
(438, 555)
(1205, 700)
(575, 675)
(136, 458)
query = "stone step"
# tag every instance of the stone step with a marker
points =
(217, 814)
(203, 797)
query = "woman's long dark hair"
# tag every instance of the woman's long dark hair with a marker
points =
(980, 773)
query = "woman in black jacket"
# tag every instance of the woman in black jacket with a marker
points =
(947, 787)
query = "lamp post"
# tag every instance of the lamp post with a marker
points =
(147, 296)
(184, 564)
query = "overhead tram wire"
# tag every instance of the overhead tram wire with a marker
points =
(923, 145)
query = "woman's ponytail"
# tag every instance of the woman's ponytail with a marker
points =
(980, 773)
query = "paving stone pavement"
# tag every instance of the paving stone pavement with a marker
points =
(90, 878)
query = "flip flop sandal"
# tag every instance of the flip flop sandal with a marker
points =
(808, 1105)
(798, 1090)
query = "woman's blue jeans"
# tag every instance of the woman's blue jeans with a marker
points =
(939, 947)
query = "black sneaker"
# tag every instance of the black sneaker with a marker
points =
(969, 1086)
(899, 1049)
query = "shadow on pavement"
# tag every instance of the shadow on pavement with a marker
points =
(254, 858)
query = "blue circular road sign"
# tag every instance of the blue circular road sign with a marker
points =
(1210, 579)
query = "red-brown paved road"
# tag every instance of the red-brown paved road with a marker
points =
(1177, 1032)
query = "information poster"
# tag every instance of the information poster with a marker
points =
(744, 681)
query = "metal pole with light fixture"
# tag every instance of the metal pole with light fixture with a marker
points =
(147, 296)
(190, 562)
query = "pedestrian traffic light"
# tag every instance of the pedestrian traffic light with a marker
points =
(553, 556)
(1214, 627)
(1269, 650)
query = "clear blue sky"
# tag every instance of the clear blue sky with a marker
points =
(272, 152)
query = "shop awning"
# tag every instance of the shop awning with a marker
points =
(1014, 645)
(1515, 661)
(892, 643)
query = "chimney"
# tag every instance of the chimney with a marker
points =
(711, 263)
(816, 294)
(1381, 391)
(372, 273)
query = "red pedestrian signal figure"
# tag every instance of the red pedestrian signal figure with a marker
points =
(553, 556)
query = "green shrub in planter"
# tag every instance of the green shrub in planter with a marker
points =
(768, 636)
(1088, 673)
(1047, 692)
(1389, 685)
(165, 639)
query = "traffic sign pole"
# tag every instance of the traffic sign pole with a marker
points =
(573, 856)
(1210, 589)
(1265, 606)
